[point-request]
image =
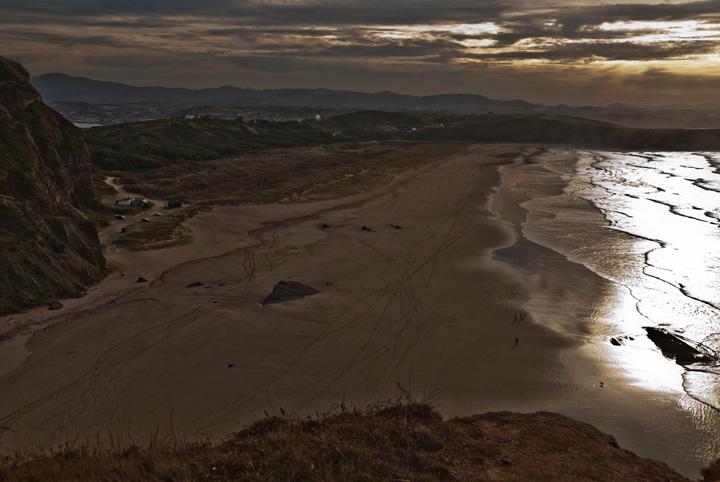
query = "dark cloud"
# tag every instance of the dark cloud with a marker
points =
(665, 80)
(608, 51)
(274, 12)
(114, 7)
(572, 18)
(56, 39)
(414, 44)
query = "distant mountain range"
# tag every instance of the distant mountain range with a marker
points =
(62, 88)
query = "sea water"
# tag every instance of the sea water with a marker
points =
(646, 226)
(668, 205)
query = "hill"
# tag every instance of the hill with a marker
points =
(50, 247)
(154, 144)
(541, 128)
(61, 87)
(403, 442)
(147, 145)
(70, 92)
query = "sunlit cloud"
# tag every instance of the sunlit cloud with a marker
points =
(636, 25)
(678, 31)
(323, 42)
(474, 43)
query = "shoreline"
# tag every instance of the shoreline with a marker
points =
(582, 296)
(428, 305)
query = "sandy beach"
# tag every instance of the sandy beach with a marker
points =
(631, 391)
(439, 295)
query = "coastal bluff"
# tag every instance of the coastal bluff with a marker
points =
(397, 442)
(50, 247)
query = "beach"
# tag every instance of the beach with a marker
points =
(587, 278)
(439, 284)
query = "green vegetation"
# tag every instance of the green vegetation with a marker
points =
(156, 144)
(298, 174)
(277, 174)
(552, 129)
(160, 232)
(49, 244)
(148, 145)
(209, 161)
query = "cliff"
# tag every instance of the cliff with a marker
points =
(49, 246)
(404, 442)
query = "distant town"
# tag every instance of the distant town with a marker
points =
(87, 115)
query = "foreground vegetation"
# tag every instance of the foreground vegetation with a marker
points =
(391, 442)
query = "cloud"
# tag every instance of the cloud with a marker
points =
(662, 79)
(351, 43)
(336, 12)
(606, 51)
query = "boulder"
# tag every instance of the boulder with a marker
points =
(288, 291)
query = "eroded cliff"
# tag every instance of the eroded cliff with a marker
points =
(49, 245)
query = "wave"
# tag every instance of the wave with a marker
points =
(666, 202)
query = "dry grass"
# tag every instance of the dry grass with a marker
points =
(296, 175)
(161, 231)
(394, 442)
(273, 175)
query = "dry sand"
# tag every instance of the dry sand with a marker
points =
(422, 306)
(643, 405)
(425, 306)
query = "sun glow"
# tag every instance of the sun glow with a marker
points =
(467, 29)
(650, 32)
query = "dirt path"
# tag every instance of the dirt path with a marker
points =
(108, 235)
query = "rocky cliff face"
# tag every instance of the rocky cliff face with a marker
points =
(48, 246)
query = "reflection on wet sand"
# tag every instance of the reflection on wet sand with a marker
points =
(612, 243)
(667, 205)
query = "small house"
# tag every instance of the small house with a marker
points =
(134, 201)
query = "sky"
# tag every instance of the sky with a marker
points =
(639, 52)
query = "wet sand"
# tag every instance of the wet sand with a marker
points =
(428, 307)
(641, 403)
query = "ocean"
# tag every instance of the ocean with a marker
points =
(611, 243)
